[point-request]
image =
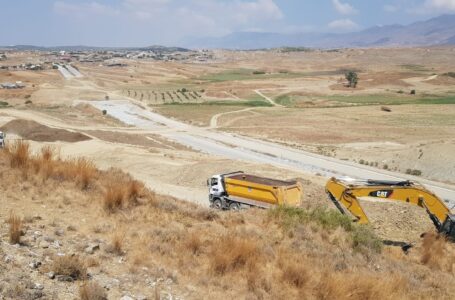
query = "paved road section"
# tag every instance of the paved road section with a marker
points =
(65, 73)
(248, 149)
(74, 71)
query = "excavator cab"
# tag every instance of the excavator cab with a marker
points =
(448, 227)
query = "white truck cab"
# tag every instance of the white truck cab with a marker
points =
(2, 139)
(215, 185)
(218, 196)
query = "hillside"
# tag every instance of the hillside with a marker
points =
(436, 31)
(69, 229)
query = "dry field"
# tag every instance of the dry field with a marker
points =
(74, 229)
(74, 217)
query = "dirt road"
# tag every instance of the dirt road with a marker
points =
(248, 149)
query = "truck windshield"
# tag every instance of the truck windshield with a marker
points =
(214, 181)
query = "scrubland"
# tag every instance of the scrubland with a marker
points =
(103, 234)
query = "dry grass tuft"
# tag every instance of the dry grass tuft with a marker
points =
(19, 152)
(114, 196)
(15, 228)
(116, 245)
(48, 153)
(361, 286)
(134, 191)
(231, 253)
(433, 250)
(71, 266)
(193, 243)
(85, 172)
(92, 291)
(294, 271)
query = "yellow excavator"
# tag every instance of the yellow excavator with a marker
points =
(345, 194)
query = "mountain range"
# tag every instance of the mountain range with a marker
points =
(436, 31)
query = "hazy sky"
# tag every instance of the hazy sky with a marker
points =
(169, 22)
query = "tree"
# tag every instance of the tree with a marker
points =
(352, 78)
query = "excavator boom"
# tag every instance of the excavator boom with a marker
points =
(346, 195)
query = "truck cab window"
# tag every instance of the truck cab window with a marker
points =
(214, 181)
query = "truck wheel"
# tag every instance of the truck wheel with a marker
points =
(234, 206)
(217, 204)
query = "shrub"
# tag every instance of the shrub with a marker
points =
(364, 239)
(352, 78)
(413, 92)
(104, 112)
(414, 172)
(28, 102)
(328, 218)
(92, 291)
(385, 167)
(258, 72)
(15, 228)
(71, 266)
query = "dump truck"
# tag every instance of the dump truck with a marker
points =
(237, 190)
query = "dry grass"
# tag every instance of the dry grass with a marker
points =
(85, 172)
(134, 191)
(117, 241)
(19, 154)
(71, 266)
(114, 196)
(15, 228)
(276, 255)
(92, 291)
(193, 243)
(434, 251)
(231, 253)
(361, 286)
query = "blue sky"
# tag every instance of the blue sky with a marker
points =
(147, 22)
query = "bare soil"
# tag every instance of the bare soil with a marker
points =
(31, 130)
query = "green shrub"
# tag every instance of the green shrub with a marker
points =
(414, 172)
(329, 219)
(364, 239)
(258, 72)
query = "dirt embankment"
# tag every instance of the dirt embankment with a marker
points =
(34, 131)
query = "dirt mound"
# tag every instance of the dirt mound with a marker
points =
(31, 130)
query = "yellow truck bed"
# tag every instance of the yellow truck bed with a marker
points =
(261, 191)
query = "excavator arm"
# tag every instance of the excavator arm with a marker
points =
(345, 195)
